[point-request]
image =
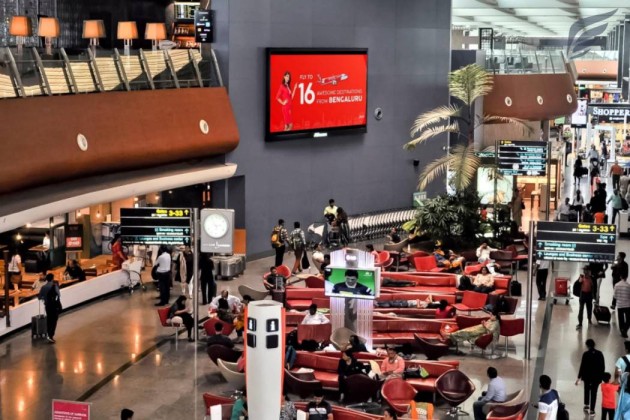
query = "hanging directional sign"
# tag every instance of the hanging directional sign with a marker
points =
(576, 242)
(155, 226)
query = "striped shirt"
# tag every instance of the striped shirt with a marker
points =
(622, 294)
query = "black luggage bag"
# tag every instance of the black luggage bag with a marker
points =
(38, 325)
(602, 314)
(515, 288)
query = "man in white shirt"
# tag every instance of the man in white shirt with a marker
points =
(496, 393)
(331, 208)
(549, 400)
(163, 263)
(564, 211)
(233, 301)
(483, 252)
(313, 317)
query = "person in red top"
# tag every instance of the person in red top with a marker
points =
(609, 394)
(444, 310)
(599, 217)
(393, 365)
(285, 98)
(118, 255)
(587, 292)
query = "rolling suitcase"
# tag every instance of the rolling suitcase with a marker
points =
(38, 324)
(602, 314)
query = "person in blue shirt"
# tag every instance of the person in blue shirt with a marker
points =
(49, 293)
(549, 400)
(239, 409)
(495, 393)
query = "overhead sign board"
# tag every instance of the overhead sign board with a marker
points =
(528, 158)
(155, 226)
(576, 242)
(610, 113)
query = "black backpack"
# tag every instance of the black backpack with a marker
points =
(296, 240)
(515, 288)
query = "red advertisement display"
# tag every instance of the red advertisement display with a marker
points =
(314, 92)
(70, 410)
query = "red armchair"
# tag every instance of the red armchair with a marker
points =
(218, 351)
(176, 322)
(510, 328)
(302, 387)
(360, 388)
(511, 412)
(282, 270)
(209, 326)
(319, 332)
(433, 349)
(455, 387)
(483, 342)
(472, 301)
(464, 321)
(398, 394)
(427, 263)
(314, 282)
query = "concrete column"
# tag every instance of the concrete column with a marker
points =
(620, 33)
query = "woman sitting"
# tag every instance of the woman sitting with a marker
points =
(484, 281)
(393, 365)
(470, 334)
(180, 309)
(74, 271)
(348, 366)
(355, 345)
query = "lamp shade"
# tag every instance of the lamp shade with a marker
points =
(48, 27)
(93, 29)
(155, 31)
(20, 26)
(127, 30)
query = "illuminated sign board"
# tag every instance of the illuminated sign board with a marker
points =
(576, 242)
(155, 226)
(528, 158)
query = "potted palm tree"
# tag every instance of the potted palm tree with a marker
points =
(466, 86)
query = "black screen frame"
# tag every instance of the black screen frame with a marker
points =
(311, 133)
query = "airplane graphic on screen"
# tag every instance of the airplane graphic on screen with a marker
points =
(332, 80)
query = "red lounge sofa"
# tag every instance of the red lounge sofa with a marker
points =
(400, 331)
(325, 369)
(300, 298)
(442, 283)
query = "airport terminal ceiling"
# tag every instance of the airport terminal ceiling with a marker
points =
(535, 18)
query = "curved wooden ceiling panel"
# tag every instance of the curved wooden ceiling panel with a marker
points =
(533, 97)
(596, 69)
(123, 131)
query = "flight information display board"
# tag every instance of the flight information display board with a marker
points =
(527, 158)
(155, 226)
(576, 242)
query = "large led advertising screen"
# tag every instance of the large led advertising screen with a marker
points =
(312, 93)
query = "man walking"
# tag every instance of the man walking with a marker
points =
(622, 297)
(49, 293)
(278, 241)
(542, 271)
(495, 393)
(549, 400)
(616, 171)
(619, 272)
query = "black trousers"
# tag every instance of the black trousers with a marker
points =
(623, 315)
(615, 180)
(590, 394)
(585, 299)
(279, 255)
(614, 214)
(610, 412)
(541, 282)
(164, 283)
(208, 289)
(52, 316)
(189, 322)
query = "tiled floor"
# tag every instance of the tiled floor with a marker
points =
(96, 342)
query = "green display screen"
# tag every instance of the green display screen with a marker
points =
(350, 282)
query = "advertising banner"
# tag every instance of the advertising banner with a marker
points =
(610, 113)
(74, 238)
(310, 92)
(70, 410)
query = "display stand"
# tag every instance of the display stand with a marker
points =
(352, 313)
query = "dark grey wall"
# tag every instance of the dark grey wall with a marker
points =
(409, 54)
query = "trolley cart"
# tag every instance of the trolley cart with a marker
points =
(561, 290)
(133, 270)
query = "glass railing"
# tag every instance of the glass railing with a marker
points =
(600, 55)
(523, 62)
(32, 73)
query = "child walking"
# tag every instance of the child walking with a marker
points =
(609, 394)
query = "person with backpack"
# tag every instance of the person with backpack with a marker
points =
(592, 369)
(549, 400)
(298, 243)
(278, 240)
(49, 293)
